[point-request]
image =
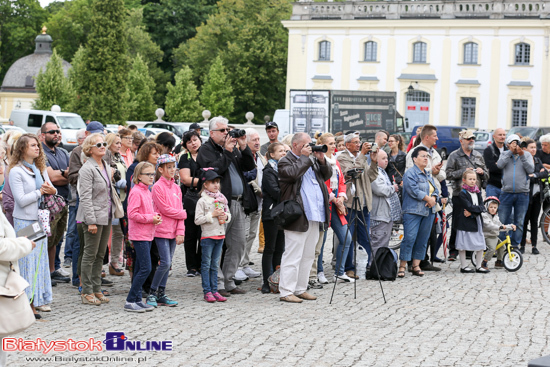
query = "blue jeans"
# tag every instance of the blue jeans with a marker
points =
(142, 268)
(417, 230)
(344, 236)
(72, 235)
(362, 235)
(518, 202)
(72, 231)
(211, 254)
(491, 190)
(166, 248)
(57, 261)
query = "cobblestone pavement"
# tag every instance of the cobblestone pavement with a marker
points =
(442, 319)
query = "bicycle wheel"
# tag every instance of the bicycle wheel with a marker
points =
(545, 224)
(397, 235)
(514, 263)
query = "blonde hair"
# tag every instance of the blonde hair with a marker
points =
(288, 140)
(139, 168)
(20, 148)
(322, 138)
(468, 172)
(90, 141)
(110, 139)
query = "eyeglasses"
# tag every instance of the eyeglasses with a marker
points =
(148, 174)
(128, 138)
(226, 130)
(51, 132)
(99, 145)
(423, 156)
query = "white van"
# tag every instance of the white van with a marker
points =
(32, 120)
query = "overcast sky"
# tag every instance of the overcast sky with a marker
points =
(45, 2)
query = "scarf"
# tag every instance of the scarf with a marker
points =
(473, 190)
(334, 177)
(217, 196)
(274, 164)
(39, 181)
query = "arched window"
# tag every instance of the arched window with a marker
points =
(419, 52)
(324, 51)
(470, 53)
(523, 54)
(370, 51)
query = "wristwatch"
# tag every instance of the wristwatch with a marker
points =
(62, 172)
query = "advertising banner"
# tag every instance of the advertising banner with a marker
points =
(309, 111)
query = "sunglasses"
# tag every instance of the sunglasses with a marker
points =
(226, 130)
(99, 145)
(51, 132)
(148, 174)
(474, 139)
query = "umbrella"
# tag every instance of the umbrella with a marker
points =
(444, 229)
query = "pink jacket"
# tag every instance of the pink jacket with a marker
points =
(167, 200)
(140, 214)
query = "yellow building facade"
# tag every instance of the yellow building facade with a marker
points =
(478, 64)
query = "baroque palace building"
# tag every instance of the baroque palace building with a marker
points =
(480, 64)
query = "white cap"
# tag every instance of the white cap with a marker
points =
(512, 138)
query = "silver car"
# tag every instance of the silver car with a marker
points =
(483, 140)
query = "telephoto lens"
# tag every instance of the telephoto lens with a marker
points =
(237, 133)
(318, 148)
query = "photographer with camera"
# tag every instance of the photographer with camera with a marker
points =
(220, 152)
(302, 179)
(354, 159)
(516, 164)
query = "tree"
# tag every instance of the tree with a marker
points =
(217, 93)
(141, 88)
(252, 43)
(106, 63)
(182, 100)
(20, 23)
(53, 86)
(78, 81)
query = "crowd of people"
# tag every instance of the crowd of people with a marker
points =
(130, 201)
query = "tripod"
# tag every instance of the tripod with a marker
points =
(356, 221)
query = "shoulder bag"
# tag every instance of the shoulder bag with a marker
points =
(118, 210)
(286, 212)
(16, 312)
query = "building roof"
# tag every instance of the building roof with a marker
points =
(22, 73)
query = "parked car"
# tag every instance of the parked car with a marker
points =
(483, 140)
(32, 120)
(531, 131)
(177, 128)
(448, 140)
(6, 128)
(149, 131)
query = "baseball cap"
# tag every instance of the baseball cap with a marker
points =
(195, 126)
(209, 174)
(95, 127)
(271, 124)
(512, 138)
(466, 134)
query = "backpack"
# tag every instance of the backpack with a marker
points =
(386, 261)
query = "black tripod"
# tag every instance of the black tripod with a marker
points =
(355, 220)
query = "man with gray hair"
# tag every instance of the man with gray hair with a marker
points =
(544, 153)
(254, 179)
(491, 155)
(221, 152)
(302, 180)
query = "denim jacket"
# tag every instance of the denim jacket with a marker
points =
(415, 188)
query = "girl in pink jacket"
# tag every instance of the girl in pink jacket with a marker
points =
(167, 200)
(142, 220)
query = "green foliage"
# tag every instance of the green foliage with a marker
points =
(217, 93)
(182, 100)
(252, 43)
(106, 63)
(20, 23)
(140, 91)
(53, 86)
(79, 81)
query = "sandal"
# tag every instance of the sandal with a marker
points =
(90, 299)
(101, 297)
(419, 272)
(401, 273)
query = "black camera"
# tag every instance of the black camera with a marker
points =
(237, 133)
(318, 148)
(355, 172)
(523, 145)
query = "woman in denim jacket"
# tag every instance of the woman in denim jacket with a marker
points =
(420, 195)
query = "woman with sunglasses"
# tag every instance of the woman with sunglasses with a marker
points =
(95, 212)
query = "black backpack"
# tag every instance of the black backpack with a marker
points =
(386, 262)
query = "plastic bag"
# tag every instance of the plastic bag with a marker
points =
(44, 219)
(362, 262)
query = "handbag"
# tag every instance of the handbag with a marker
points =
(273, 280)
(286, 212)
(118, 210)
(54, 203)
(16, 312)
(44, 219)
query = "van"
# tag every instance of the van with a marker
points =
(282, 118)
(448, 139)
(32, 120)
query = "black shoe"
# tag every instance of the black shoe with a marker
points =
(54, 283)
(237, 282)
(106, 283)
(191, 273)
(313, 284)
(467, 270)
(37, 316)
(438, 260)
(266, 288)
(59, 278)
(430, 267)
(535, 251)
(483, 271)
(453, 255)
(522, 249)
(250, 263)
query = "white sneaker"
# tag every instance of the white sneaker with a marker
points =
(343, 279)
(251, 272)
(321, 277)
(63, 272)
(240, 275)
